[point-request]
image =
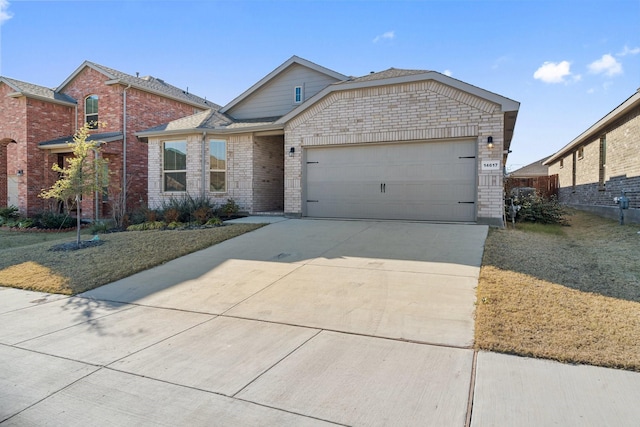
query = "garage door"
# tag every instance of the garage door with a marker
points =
(433, 181)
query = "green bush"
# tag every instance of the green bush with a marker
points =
(535, 208)
(187, 209)
(214, 221)
(53, 220)
(153, 225)
(228, 209)
(26, 223)
(10, 212)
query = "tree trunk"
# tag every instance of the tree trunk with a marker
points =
(78, 220)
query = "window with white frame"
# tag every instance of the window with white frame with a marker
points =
(297, 94)
(91, 111)
(174, 171)
(217, 165)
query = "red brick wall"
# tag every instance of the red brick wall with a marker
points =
(144, 110)
(30, 121)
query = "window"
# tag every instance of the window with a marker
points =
(175, 166)
(561, 163)
(217, 166)
(91, 111)
(602, 164)
(580, 153)
(297, 94)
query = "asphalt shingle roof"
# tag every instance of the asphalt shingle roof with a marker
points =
(156, 85)
(106, 136)
(210, 120)
(386, 74)
(36, 90)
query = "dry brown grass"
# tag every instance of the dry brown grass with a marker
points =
(572, 297)
(36, 267)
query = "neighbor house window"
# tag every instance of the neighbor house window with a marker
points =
(580, 153)
(573, 172)
(91, 111)
(175, 165)
(217, 165)
(297, 94)
(602, 164)
(561, 163)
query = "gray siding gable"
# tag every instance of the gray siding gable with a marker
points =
(276, 97)
(273, 96)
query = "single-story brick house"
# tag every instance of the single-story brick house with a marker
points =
(308, 141)
(601, 162)
(36, 124)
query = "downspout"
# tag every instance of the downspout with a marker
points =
(124, 149)
(204, 164)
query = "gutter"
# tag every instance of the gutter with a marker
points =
(221, 131)
(124, 148)
(204, 164)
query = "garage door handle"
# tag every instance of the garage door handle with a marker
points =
(383, 187)
(467, 202)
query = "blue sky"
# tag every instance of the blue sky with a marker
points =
(568, 62)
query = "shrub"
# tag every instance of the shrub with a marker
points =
(214, 221)
(202, 214)
(230, 208)
(53, 220)
(172, 215)
(535, 208)
(155, 225)
(100, 227)
(186, 207)
(10, 212)
(26, 223)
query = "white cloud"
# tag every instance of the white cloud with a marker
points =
(552, 72)
(629, 51)
(5, 15)
(389, 35)
(447, 73)
(607, 65)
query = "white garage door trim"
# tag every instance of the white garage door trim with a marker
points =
(425, 180)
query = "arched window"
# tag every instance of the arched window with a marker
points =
(91, 111)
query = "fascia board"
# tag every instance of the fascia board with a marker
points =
(41, 98)
(248, 129)
(506, 104)
(293, 60)
(597, 127)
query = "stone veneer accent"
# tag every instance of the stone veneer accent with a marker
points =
(419, 111)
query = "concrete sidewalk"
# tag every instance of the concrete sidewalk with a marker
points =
(302, 322)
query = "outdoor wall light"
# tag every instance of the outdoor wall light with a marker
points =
(292, 151)
(20, 172)
(490, 142)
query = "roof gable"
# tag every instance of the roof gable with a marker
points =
(294, 71)
(147, 84)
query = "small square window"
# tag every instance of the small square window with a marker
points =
(297, 94)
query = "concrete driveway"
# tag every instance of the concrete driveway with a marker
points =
(302, 322)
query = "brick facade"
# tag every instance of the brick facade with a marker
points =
(579, 175)
(255, 170)
(418, 111)
(31, 121)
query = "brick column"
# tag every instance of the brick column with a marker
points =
(3, 170)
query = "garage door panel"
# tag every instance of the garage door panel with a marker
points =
(419, 181)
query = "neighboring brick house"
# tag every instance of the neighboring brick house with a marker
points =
(603, 161)
(308, 141)
(36, 124)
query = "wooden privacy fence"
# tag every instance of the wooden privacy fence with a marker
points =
(546, 186)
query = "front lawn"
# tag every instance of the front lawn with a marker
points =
(565, 293)
(27, 262)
